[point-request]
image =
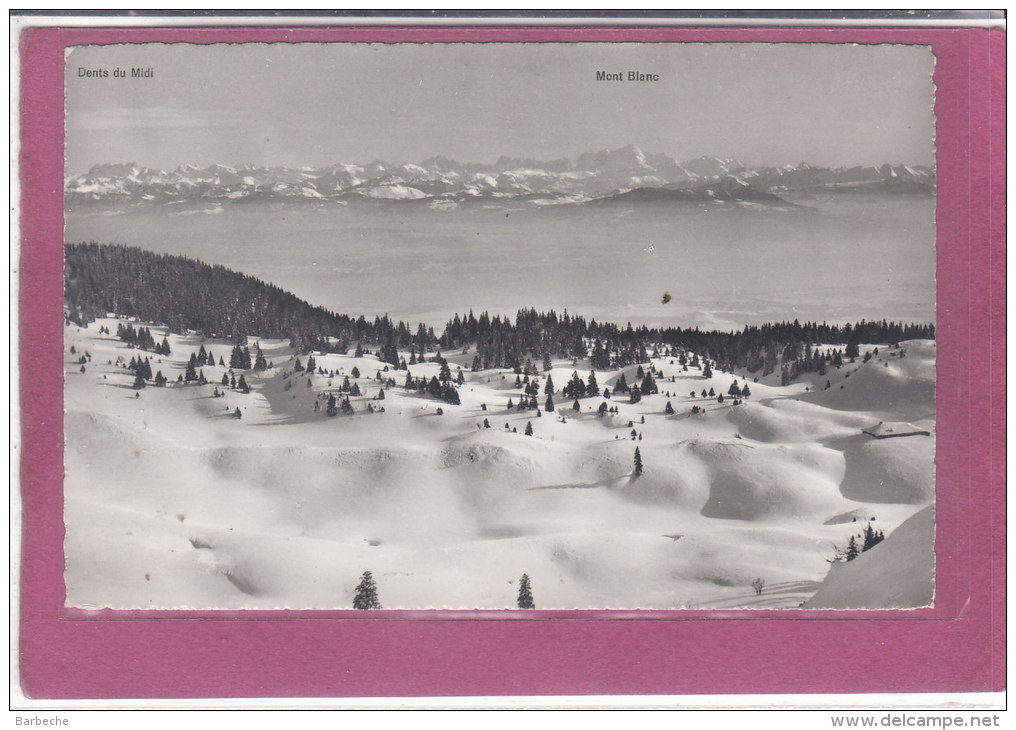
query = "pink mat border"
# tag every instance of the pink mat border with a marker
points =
(957, 646)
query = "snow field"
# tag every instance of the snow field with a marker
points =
(172, 502)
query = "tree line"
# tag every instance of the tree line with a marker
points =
(186, 294)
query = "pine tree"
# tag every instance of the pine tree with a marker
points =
(139, 380)
(260, 364)
(332, 409)
(529, 428)
(669, 410)
(525, 599)
(852, 551)
(236, 413)
(191, 374)
(576, 407)
(242, 385)
(366, 593)
(549, 405)
(636, 394)
(548, 389)
(638, 462)
(707, 372)
(546, 362)
(592, 389)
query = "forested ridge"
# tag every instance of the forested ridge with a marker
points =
(186, 294)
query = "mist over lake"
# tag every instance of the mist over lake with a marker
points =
(833, 258)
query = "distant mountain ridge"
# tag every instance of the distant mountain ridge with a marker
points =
(607, 174)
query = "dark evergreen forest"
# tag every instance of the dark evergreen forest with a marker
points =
(186, 294)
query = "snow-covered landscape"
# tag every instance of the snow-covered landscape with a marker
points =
(178, 498)
(466, 326)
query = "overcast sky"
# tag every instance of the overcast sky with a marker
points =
(318, 104)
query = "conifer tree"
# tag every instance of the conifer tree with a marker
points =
(548, 389)
(525, 600)
(575, 406)
(546, 362)
(707, 372)
(260, 364)
(638, 462)
(529, 428)
(366, 593)
(236, 413)
(139, 380)
(549, 405)
(669, 410)
(636, 394)
(852, 550)
(242, 385)
(191, 374)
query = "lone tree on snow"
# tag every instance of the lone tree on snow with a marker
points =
(366, 593)
(525, 593)
(638, 462)
(758, 584)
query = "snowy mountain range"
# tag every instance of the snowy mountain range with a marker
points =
(626, 173)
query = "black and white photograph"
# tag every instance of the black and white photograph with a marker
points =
(499, 326)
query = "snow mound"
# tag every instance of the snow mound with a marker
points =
(791, 421)
(899, 572)
(902, 388)
(757, 482)
(899, 470)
